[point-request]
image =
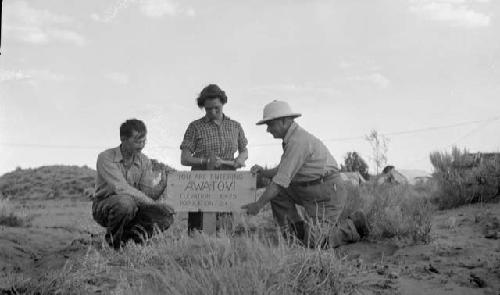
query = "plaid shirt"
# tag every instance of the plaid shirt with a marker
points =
(204, 138)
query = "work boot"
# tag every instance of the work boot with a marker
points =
(112, 242)
(360, 222)
(296, 231)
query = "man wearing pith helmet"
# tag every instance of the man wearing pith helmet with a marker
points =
(307, 175)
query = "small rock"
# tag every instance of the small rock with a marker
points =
(477, 281)
(426, 257)
(432, 269)
(393, 275)
(492, 235)
(471, 265)
(452, 222)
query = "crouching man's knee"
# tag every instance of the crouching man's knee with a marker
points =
(114, 210)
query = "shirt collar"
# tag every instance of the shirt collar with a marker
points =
(119, 157)
(290, 131)
(207, 120)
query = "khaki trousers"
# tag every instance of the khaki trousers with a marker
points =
(323, 204)
(126, 219)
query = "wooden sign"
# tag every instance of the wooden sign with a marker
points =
(209, 191)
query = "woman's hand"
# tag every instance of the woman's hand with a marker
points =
(238, 163)
(217, 163)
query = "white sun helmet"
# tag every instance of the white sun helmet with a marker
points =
(277, 109)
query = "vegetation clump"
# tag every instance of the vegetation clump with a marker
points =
(465, 178)
(393, 211)
(9, 216)
(174, 263)
(48, 182)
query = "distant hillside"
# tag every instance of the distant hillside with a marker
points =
(48, 182)
(55, 182)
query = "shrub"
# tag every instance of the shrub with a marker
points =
(354, 162)
(393, 211)
(464, 178)
(8, 216)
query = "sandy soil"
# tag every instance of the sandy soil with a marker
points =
(54, 226)
(462, 258)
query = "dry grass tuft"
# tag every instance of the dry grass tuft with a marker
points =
(173, 263)
(465, 178)
(393, 211)
(9, 215)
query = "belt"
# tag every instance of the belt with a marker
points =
(313, 182)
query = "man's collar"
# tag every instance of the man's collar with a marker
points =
(119, 156)
(290, 131)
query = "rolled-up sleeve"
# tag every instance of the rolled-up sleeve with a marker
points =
(112, 175)
(147, 176)
(242, 140)
(292, 160)
(189, 140)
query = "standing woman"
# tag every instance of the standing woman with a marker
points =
(211, 142)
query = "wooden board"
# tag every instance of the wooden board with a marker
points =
(209, 223)
(209, 191)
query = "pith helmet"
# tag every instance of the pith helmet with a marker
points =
(277, 109)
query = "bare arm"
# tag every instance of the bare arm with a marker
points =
(187, 159)
(240, 160)
(242, 148)
(270, 193)
(269, 173)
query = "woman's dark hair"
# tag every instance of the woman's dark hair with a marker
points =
(212, 91)
(128, 127)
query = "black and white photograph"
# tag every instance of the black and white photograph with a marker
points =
(250, 147)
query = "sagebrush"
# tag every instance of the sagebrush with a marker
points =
(465, 178)
(393, 211)
(9, 215)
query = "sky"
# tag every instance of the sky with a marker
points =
(425, 73)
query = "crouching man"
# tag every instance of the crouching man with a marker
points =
(307, 175)
(124, 200)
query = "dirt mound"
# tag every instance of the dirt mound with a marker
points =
(48, 182)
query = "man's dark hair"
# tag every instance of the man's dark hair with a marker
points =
(387, 169)
(128, 127)
(212, 91)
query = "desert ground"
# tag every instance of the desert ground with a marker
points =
(462, 257)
